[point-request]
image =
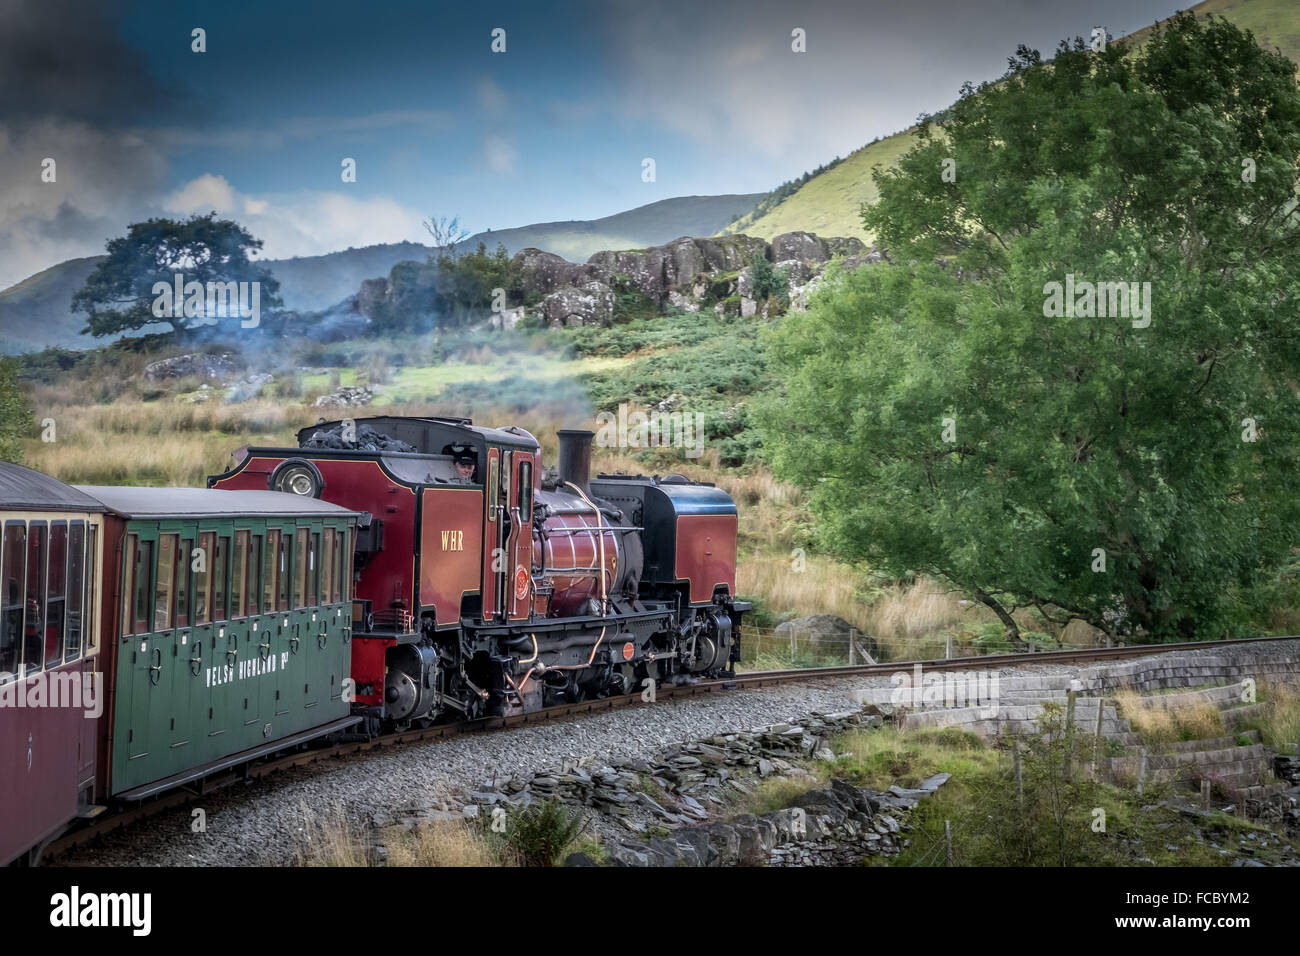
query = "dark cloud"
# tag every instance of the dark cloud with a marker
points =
(66, 58)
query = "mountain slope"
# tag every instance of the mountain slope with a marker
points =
(828, 204)
(35, 313)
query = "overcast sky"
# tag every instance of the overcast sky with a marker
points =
(556, 127)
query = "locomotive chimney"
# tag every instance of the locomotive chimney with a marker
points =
(575, 456)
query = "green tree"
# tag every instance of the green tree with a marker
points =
(769, 282)
(948, 420)
(465, 283)
(118, 296)
(14, 413)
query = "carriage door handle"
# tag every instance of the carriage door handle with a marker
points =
(155, 671)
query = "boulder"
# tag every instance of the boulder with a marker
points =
(643, 269)
(845, 246)
(800, 245)
(350, 396)
(825, 629)
(590, 304)
(867, 258)
(545, 271)
(196, 364)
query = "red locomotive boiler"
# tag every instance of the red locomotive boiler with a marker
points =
(484, 587)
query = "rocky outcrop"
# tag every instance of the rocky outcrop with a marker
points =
(840, 825)
(590, 304)
(197, 364)
(544, 271)
(407, 290)
(350, 396)
(690, 274)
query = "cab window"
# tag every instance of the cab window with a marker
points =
(526, 491)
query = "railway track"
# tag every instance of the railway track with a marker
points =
(116, 820)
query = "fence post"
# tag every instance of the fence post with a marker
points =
(1142, 769)
(947, 650)
(1020, 779)
(853, 646)
(1096, 743)
(947, 841)
(1069, 734)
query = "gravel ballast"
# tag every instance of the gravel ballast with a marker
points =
(259, 824)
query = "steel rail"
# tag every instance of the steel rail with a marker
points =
(106, 823)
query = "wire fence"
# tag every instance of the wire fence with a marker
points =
(771, 649)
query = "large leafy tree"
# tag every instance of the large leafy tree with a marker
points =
(118, 296)
(1141, 474)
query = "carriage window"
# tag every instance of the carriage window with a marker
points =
(34, 629)
(165, 582)
(91, 626)
(56, 596)
(282, 572)
(270, 570)
(184, 565)
(254, 573)
(313, 570)
(345, 566)
(203, 579)
(526, 491)
(13, 566)
(327, 566)
(219, 578)
(143, 565)
(300, 567)
(76, 589)
(238, 560)
(128, 583)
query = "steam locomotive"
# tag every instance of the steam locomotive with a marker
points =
(495, 588)
(386, 572)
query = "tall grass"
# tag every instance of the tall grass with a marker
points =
(446, 844)
(1161, 720)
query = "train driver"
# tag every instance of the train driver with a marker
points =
(465, 466)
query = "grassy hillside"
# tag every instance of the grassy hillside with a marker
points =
(34, 313)
(828, 204)
(1275, 23)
